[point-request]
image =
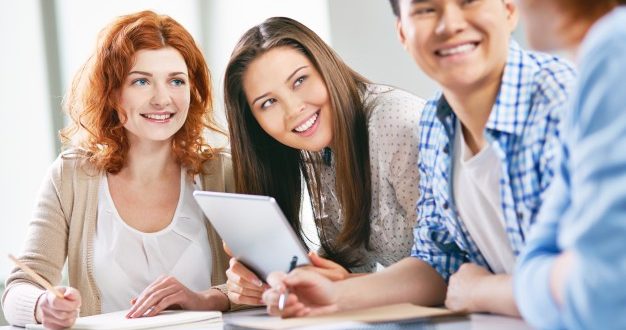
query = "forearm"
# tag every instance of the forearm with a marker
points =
(213, 299)
(410, 280)
(19, 303)
(494, 294)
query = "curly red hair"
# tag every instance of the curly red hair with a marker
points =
(92, 102)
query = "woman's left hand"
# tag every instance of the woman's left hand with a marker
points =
(329, 269)
(165, 292)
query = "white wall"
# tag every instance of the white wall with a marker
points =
(81, 20)
(363, 33)
(26, 136)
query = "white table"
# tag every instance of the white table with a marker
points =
(475, 321)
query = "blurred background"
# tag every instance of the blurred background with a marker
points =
(45, 42)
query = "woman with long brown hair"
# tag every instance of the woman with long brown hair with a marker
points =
(117, 204)
(296, 110)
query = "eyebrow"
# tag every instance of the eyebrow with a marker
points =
(286, 80)
(171, 74)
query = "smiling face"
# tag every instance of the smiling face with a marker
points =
(155, 95)
(459, 43)
(289, 99)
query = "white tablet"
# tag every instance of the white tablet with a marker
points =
(255, 229)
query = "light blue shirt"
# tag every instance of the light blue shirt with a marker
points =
(585, 209)
(524, 129)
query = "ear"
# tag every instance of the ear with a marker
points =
(512, 14)
(400, 33)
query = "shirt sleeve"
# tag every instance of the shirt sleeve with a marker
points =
(45, 251)
(593, 226)
(531, 278)
(433, 243)
(404, 175)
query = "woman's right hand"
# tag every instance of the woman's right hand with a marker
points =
(327, 268)
(244, 287)
(58, 313)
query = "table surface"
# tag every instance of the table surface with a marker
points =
(475, 321)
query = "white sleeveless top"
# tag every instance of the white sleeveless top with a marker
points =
(127, 260)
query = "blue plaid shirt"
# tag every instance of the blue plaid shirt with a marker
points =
(523, 128)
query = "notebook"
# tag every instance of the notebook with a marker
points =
(118, 320)
(399, 313)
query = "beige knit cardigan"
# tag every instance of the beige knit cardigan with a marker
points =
(63, 228)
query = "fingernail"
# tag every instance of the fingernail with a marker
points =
(258, 283)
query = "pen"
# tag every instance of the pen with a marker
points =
(283, 296)
(40, 280)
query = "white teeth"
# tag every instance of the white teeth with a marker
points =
(157, 116)
(457, 50)
(306, 124)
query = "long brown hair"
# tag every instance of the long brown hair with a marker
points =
(264, 166)
(97, 121)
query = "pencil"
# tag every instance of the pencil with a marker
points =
(40, 280)
(283, 296)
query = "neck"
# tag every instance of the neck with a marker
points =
(473, 106)
(150, 161)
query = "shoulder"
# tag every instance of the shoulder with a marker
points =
(72, 163)
(538, 85)
(218, 172)
(606, 37)
(219, 160)
(552, 76)
(392, 107)
(604, 47)
(429, 122)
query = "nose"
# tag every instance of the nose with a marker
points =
(293, 106)
(160, 96)
(451, 21)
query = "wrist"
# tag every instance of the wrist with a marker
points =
(477, 294)
(213, 299)
(38, 314)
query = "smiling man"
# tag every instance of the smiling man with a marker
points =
(487, 148)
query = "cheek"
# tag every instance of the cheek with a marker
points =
(183, 100)
(270, 121)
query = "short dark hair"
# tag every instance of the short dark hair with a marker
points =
(395, 6)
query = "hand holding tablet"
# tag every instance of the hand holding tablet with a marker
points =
(255, 230)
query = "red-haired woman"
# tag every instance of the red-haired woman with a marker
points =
(117, 203)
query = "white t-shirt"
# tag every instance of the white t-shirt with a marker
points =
(127, 260)
(476, 191)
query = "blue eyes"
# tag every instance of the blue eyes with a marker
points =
(145, 81)
(140, 82)
(177, 82)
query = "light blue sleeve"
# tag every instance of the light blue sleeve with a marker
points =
(593, 227)
(595, 230)
(531, 278)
